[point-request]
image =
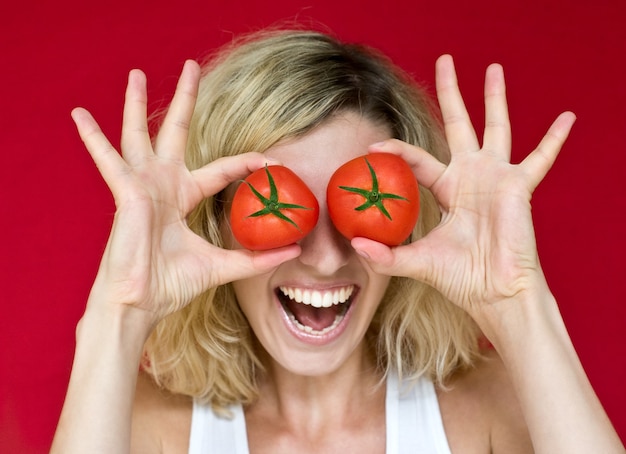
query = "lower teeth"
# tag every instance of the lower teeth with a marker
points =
(309, 330)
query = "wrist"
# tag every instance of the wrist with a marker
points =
(510, 322)
(118, 326)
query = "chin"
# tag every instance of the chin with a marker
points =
(312, 363)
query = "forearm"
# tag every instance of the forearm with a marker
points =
(561, 408)
(96, 416)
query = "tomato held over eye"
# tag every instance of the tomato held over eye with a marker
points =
(375, 196)
(271, 208)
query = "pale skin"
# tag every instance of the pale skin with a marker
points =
(532, 394)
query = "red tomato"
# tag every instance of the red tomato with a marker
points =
(271, 208)
(375, 196)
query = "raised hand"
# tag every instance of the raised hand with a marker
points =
(484, 249)
(153, 261)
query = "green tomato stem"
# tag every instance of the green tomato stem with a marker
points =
(373, 198)
(272, 206)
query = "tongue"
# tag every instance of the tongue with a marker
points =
(317, 318)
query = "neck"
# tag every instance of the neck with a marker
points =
(311, 403)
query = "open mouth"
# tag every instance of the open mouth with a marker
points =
(316, 312)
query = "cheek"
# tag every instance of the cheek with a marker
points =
(249, 297)
(377, 288)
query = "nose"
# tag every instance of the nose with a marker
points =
(325, 250)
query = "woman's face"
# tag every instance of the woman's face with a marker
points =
(281, 306)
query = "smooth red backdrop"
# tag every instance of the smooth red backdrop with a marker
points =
(56, 210)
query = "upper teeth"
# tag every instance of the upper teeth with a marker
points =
(318, 298)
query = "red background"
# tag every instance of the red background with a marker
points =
(56, 210)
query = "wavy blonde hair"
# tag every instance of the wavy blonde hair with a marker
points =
(258, 91)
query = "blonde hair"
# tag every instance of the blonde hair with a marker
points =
(263, 89)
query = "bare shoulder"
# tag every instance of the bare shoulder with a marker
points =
(161, 420)
(480, 409)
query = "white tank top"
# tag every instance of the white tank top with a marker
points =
(413, 420)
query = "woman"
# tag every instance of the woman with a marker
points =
(218, 331)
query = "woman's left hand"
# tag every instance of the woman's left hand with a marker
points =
(483, 257)
(484, 249)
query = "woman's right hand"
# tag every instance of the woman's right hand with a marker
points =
(153, 261)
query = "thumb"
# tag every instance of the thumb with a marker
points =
(412, 260)
(239, 264)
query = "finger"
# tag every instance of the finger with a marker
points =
(426, 168)
(135, 140)
(172, 137)
(107, 159)
(218, 174)
(538, 163)
(497, 135)
(460, 133)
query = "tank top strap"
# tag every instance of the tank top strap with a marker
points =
(215, 434)
(413, 417)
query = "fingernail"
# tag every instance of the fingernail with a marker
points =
(378, 145)
(362, 254)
